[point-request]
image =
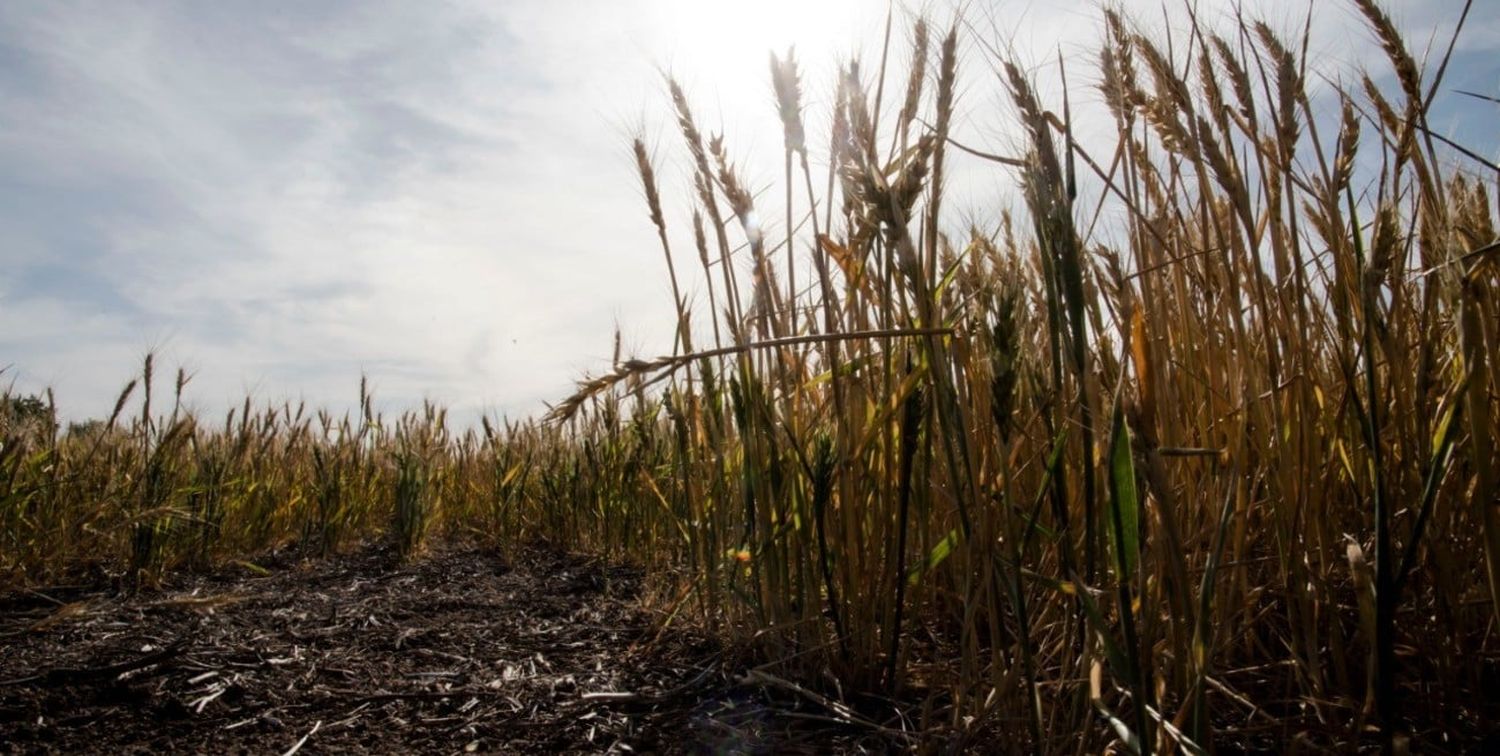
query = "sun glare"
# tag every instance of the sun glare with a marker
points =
(722, 47)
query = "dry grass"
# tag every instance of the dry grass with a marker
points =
(1227, 484)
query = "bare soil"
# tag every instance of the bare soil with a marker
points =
(464, 650)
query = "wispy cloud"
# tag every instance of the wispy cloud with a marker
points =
(284, 198)
(284, 195)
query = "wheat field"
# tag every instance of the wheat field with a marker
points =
(1223, 478)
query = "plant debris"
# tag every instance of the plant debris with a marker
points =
(461, 651)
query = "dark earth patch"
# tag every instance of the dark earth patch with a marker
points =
(462, 651)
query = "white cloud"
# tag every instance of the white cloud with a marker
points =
(439, 194)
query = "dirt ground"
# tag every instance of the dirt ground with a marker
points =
(465, 650)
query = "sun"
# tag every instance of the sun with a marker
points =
(723, 47)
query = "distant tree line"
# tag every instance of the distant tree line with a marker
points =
(35, 414)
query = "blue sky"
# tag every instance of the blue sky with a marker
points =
(280, 196)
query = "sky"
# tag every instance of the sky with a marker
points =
(280, 197)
